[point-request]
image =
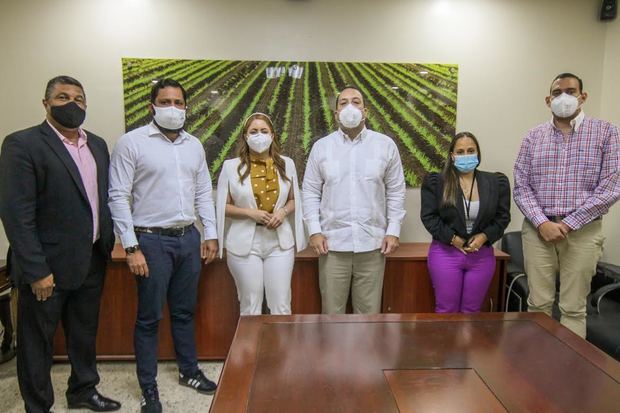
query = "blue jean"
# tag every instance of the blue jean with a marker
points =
(174, 271)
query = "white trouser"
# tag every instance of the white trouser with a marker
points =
(267, 267)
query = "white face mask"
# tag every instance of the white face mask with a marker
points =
(169, 117)
(350, 117)
(564, 106)
(259, 142)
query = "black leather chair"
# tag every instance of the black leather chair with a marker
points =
(516, 281)
(603, 319)
(603, 322)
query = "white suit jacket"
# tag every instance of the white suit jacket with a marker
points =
(237, 234)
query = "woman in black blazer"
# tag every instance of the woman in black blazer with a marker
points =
(466, 211)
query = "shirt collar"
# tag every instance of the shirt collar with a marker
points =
(359, 137)
(575, 123)
(255, 159)
(155, 132)
(82, 138)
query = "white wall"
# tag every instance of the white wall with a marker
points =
(611, 111)
(507, 51)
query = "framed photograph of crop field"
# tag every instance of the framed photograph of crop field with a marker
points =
(413, 103)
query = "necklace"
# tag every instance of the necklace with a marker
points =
(471, 192)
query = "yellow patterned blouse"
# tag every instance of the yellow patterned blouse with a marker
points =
(264, 183)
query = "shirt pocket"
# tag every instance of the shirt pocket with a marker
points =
(374, 169)
(587, 163)
(332, 172)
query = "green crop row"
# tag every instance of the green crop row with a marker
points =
(183, 76)
(307, 110)
(413, 116)
(445, 112)
(444, 72)
(139, 110)
(400, 132)
(164, 71)
(390, 95)
(227, 103)
(195, 74)
(449, 95)
(328, 115)
(288, 114)
(276, 92)
(248, 111)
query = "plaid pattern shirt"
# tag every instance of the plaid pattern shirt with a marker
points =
(577, 178)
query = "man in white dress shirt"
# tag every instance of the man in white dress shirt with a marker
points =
(159, 181)
(353, 202)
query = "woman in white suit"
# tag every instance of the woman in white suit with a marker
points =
(259, 218)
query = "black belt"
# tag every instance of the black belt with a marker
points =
(558, 218)
(169, 232)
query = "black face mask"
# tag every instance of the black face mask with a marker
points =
(69, 115)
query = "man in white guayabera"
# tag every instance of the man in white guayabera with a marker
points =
(354, 204)
(159, 182)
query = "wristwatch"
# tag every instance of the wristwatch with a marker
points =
(132, 249)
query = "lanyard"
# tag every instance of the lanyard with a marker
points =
(471, 191)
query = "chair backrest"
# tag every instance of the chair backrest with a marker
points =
(512, 244)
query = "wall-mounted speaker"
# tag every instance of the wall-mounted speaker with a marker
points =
(609, 9)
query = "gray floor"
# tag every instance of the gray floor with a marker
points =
(118, 381)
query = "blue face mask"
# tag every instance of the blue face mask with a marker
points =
(466, 163)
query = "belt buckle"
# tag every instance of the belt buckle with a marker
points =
(182, 229)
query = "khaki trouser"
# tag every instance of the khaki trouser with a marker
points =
(574, 258)
(360, 272)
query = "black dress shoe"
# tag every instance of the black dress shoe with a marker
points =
(7, 355)
(96, 403)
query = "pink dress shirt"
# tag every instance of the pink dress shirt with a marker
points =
(85, 162)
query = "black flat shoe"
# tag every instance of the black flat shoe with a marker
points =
(199, 382)
(150, 401)
(96, 403)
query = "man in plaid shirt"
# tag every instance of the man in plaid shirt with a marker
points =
(566, 179)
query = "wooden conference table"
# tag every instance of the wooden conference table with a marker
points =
(406, 289)
(513, 362)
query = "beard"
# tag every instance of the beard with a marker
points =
(166, 130)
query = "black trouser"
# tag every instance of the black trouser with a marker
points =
(36, 325)
(174, 271)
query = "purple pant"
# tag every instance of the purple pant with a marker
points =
(460, 281)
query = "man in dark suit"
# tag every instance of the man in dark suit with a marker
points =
(54, 208)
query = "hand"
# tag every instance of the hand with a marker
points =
(277, 218)
(260, 216)
(208, 250)
(565, 228)
(552, 231)
(459, 244)
(475, 242)
(389, 244)
(318, 243)
(43, 288)
(137, 264)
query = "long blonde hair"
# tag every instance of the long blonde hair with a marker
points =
(243, 149)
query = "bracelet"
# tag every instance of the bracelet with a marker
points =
(285, 210)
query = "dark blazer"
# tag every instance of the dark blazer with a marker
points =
(493, 216)
(44, 207)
